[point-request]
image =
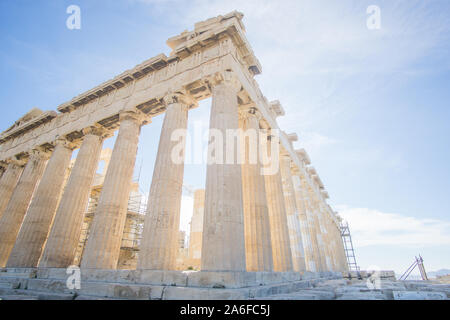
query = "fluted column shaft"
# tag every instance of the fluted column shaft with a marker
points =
(8, 182)
(293, 219)
(325, 238)
(258, 245)
(343, 264)
(311, 224)
(314, 216)
(310, 259)
(330, 241)
(159, 245)
(279, 231)
(36, 225)
(223, 244)
(196, 232)
(62, 243)
(103, 244)
(16, 209)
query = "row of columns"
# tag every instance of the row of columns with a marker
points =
(251, 221)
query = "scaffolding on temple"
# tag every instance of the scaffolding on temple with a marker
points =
(134, 223)
(348, 246)
(418, 262)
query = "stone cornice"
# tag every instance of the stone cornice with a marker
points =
(293, 137)
(303, 155)
(276, 109)
(27, 126)
(209, 31)
(125, 78)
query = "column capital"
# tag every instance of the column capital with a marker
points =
(284, 156)
(14, 162)
(270, 136)
(134, 115)
(39, 153)
(227, 77)
(180, 97)
(250, 110)
(96, 131)
(61, 141)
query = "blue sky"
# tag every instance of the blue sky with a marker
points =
(370, 106)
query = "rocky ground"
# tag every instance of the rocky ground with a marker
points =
(343, 289)
(50, 284)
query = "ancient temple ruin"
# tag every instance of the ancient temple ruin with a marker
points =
(249, 230)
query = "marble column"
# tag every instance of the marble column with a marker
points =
(223, 244)
(258, 245)
(329, 239)
(279, 231)
(159, 245)
(62, 243)
(311, 223)
(196, 232)
(314, 216)
(36, 225)
(8, 182)
(332, 241)
(335, 245)
(343, 263)
(103, 245)
(310, 259)
(293, 219)
(326, 252)
(17, 207)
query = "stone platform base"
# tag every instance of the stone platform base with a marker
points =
(363, 275)
(51, 283)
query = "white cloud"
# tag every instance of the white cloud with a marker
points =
(372, 227)
(314, 142)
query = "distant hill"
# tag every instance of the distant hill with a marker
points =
(441, 272)
(431, 274)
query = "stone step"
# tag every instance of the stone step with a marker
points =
(112, 290)
(18, 297)
(98, 289)
(419, 295)
(10, 294)
(7, 275)
(11, 283)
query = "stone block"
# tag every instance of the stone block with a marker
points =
(211, 279)
(186, 293)
(419, 295)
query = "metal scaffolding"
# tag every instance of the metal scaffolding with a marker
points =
(132, 233)
(418, 262)
(348, 246)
